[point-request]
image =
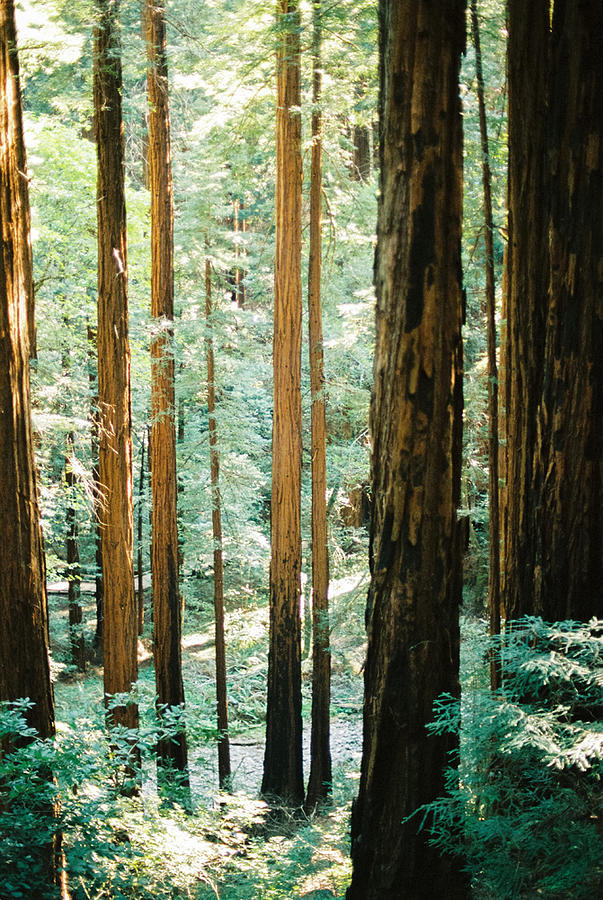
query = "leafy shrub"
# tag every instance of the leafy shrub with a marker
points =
(524, 808)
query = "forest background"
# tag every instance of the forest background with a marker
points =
(221, 60)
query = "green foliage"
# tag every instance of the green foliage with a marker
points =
(524, 808)
(120, 847)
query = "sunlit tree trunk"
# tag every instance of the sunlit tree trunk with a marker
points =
(527, 285)
(283, 764)
(319, 784)
(494, 510)
(216, 519)
(115, 420)
(166, 594)
(24, 663)
(415, 546)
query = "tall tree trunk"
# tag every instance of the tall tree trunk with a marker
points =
(415, 547)
(527, 283)
(494, 512)
(567, 528)
(283, 763)
(97, 503)
(139, 536)
(115, 418)
(76, 634)
(224, 771)
(319, 784)
(167, 615)
(24, 663)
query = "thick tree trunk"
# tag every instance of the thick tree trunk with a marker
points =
(167, 614)
(527, 284)
(24, 663)
(494, 510)
(567, 528)
(115, 419)
(283, 764)
(415, 550)
(319, 784)
(224, 771)
(553, 522)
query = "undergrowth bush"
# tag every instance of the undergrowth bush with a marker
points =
(145, 847)
(524, 809)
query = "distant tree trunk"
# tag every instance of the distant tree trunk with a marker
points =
(76, 634)
(494, 512)
(167, 614)
(238, 291)
(416, 414)
(283, 763)
(24, 663)
(98, 558)
(567, 528)
(115, 419)
(139, 554)
(319, 784)
(362, 153)
(527, 284)
(224, 771)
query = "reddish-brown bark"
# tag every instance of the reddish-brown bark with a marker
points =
(283, 766)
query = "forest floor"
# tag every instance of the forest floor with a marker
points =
(232, 846)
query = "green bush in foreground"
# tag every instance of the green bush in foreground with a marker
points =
(525, 807)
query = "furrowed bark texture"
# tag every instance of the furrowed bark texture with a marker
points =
(283, 766)
(224, 771)
(115, 419)
(527, 285)
(24, 666)
(415, 551)
(553, 513)
(166, 594)
(24, 663)
(319, 783)
(568, 524)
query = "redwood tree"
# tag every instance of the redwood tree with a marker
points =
(415, 554)
(554, 527)
(216, 521)
(319, 783)
(527, 284)
(24, 663)
(283, 765)
(167, 651)
(115, 428)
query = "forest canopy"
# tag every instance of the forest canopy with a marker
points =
(301, 538)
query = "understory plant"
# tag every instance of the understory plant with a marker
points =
(524, 807)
